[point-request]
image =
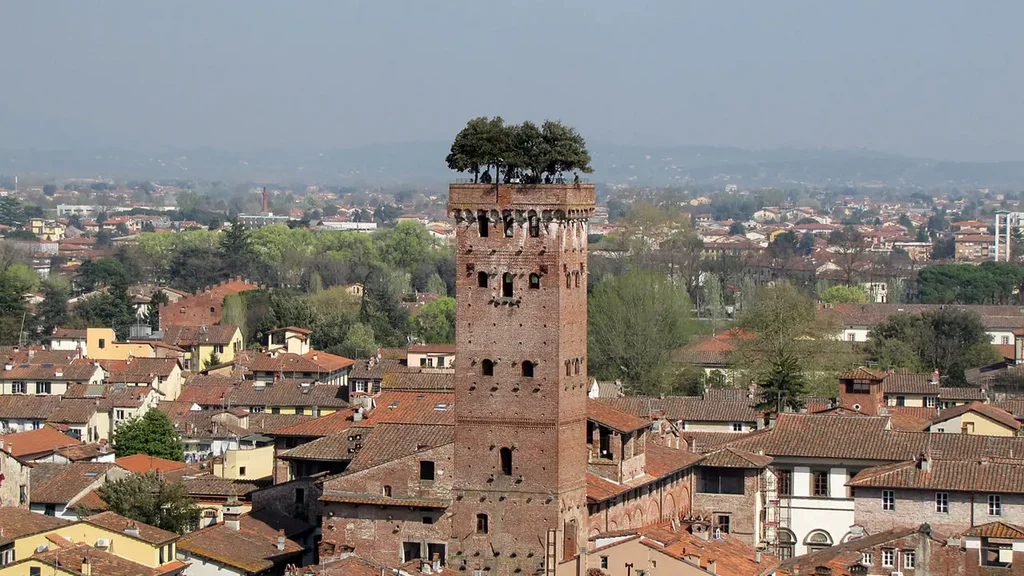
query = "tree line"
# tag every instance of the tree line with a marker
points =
(522, 152)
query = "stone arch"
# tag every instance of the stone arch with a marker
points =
(670, 506)
(818, 539)
(637, 518)
(653, 513)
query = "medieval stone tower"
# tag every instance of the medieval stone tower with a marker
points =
(520, 380)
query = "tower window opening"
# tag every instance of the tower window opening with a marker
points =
(576, 277)
(534, 281)
(482, 279)
(483, 223)
(509, 225)
(534, 226)
(576, 365)
(482, 524)
(506, 461)
(487, 368)
(527, 369)
(568, 280)
(506, 285)
(568, 368)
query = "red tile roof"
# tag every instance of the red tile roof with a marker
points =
(408, 380)
(19, 522)
(43, 441)
(388, 442)
(54, 483)
(997, 530)
(317, 427)
(192, 335)
(999, 476)
(987, 410)
(249, 550)
(142, 463)
(118, 523)
(413, 408)
(615, 419)
(100, 562)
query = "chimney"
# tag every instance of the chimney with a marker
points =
(934, 380)
(436, 560)
(132, 529)
(265, 210)
(712, 566)
(86, 567)
(233, 513)
(757, 556)
(925, 463)
(280, 540)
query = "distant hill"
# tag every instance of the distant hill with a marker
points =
(422, 162)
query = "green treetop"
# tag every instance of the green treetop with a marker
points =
(527, 152)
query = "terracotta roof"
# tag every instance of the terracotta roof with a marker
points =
(413, 408)
(139, 369)
(189, 335)
(317, 427)
(72, 371)
(685, 408)
(961, 393)
(295, 329)
(997, 530)
(731, 556)
(202, 424)
(215, 486)
(55, 483)
(82, 452)
(615, 419)
(1014, 406)
(73, 411)
(27, 407)
(955, 475)
(409, 381)
(69, 333)
(390, 442)
(328, 362)
(334, 448)
(43, 441)
(868, 438)
(288, 393)
(264, 422)
(207, 390)
(392, 353)
(101, 563)
(375, 369)
(909, 383)
(117, 523)
(33, 356)
(662, 461)
(315, 364)
(244, 548)
(845, 554)
(703, 442)
(141, 463)
(735, 458)
(987, 410)
(18, 522)
(350, 565)
(93, 502)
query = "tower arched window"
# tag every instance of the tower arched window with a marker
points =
(534, 226)
(506, 285)
(568, 368)
(576, 365)
(527, 369)
(576, 278)
(483, 223)
(568, 280)
(482, 524)
(482, 279)
(534, 281)
(487, 368)
(505, 455)
(510, 225)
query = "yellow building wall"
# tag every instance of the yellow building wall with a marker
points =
(639, 557)
(984, 426)
(298, 410)
(121, 544)
(25, 547)
(258, 463)
(92, 343)
(201, 353)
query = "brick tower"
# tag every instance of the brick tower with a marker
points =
(520, 380)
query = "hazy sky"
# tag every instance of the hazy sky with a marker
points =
(928, 77)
